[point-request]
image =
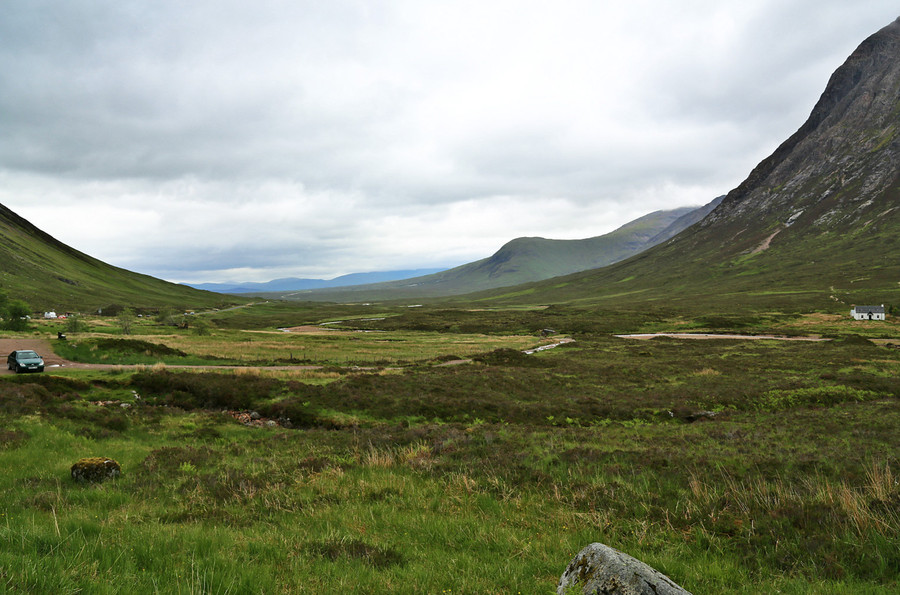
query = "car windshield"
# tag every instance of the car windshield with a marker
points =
(27, 355)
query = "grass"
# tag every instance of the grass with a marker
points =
(481, 478)
(49, 275)
(334, 341)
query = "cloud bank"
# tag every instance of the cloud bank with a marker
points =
(229, 140)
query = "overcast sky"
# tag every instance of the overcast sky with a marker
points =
(236, 140)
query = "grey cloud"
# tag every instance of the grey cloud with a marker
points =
(356, 117)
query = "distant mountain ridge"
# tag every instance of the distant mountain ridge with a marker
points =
(524, 260)
(297, 284)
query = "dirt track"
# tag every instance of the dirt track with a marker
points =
(41, 346)
(53, 361)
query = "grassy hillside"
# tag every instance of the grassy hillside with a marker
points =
(522, 260)
(827, 271)
(48, 274)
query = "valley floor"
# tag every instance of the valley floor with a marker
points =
(732, 466)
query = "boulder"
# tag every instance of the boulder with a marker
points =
(601, 570)
(94, 469)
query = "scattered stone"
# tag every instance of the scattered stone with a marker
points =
(125, 405)
(601, 570)
(248, 419)
(698, 415)
(95, 469)
(691, 415)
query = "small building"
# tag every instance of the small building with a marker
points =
(867, 312)
(50, 315)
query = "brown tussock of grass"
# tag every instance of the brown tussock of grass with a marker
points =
(865, 507)
(381, 458)
(248, 372)
(417, 456)
(707, 372)
(464, 483)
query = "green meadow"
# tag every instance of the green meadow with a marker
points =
(421, 451)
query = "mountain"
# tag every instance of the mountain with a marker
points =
(684, 222)
(295, 284)
(523, 260)
(48, 274)
(817, 222)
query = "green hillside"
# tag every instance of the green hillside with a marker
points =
(48, 274)
(523, 260)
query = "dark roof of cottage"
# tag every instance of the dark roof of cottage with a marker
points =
(869, 309)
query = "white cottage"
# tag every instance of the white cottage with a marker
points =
(867, 312)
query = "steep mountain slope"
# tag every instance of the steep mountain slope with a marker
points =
(48, 274)
(684, 222)
(523, 260)
(820, 216)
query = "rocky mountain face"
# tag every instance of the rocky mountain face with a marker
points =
(839, 171)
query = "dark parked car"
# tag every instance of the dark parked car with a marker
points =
(25, 360)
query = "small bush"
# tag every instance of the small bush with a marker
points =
(192, 390)
(12, 438)
(136, 346)
(510, 357)
(296, 410)
(23, 399)
(354, 549)
(170, 458)
(55, 384)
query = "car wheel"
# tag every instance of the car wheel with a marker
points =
(18, 369)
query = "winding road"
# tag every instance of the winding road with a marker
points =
(52, 361)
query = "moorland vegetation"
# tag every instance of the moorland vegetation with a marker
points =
(429, 454)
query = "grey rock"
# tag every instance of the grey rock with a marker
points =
(601, 570)
(254, 415)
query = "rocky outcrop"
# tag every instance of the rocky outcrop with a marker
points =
(837, 168)
(601, 570)
(94, 469)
